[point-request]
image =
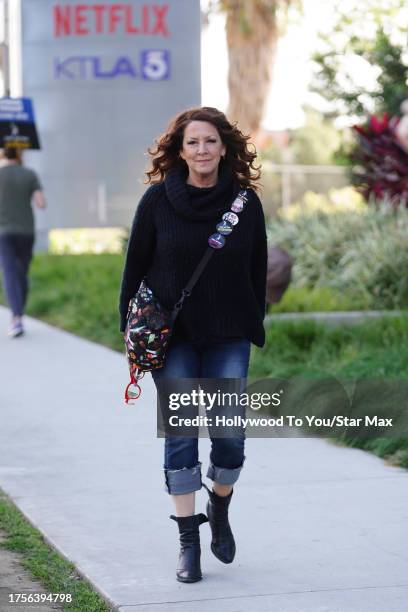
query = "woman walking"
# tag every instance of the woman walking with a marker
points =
(199, 166)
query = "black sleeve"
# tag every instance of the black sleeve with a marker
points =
(259, 260)
(139, 253)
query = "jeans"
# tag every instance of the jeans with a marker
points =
(16, 251)
(221, 360)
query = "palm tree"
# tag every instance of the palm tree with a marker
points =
(252, 36)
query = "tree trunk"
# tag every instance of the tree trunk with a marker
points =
(252, 35)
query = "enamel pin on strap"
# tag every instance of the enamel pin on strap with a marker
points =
(228, 222)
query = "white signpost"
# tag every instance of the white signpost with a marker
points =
(105, 78)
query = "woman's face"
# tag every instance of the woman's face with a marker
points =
(202, 150)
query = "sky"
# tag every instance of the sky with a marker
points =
(292, 72)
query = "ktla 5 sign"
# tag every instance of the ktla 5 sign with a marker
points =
(109, 19)
(153, 65)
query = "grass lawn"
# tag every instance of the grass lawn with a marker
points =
(374, 350)
(78, 293)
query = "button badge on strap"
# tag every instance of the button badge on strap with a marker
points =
(230, 217)
(216, 241)
(229, 220)
(224, 228)
(238, 204)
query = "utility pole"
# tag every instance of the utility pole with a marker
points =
(5, 49)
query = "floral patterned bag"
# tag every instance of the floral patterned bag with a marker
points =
(148, 331)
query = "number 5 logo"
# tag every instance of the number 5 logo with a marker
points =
(155, 65)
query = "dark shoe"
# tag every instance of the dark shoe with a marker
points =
(222, 544)
(189, 568)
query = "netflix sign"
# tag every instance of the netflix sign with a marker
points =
(88, 19)
(105, 76)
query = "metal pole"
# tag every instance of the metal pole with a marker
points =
(6, 66)
(5, 52)
(286, 191)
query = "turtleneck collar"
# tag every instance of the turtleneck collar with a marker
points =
(200, 203)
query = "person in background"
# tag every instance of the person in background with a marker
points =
(19, 186)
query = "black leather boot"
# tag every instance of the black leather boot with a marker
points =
(189, 567)
(222, 544)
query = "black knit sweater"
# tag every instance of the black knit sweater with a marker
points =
(170, 234)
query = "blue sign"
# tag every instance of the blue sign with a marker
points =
(16, 109)
(153, 65)
(17, 125)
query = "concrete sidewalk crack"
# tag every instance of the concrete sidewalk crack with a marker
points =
(274, 594)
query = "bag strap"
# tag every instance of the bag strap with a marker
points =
(197, 272)
(194, 278)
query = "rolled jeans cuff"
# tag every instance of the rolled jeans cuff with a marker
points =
(224, 476)
(186, 480)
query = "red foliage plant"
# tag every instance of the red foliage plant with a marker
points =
(381, 170)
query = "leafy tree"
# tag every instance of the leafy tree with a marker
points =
(371, 36)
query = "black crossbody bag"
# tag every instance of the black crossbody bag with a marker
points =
(149, 325)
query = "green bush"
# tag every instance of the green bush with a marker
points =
(363, 253)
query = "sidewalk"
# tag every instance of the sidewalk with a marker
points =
(319, 528)
(333, 319)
